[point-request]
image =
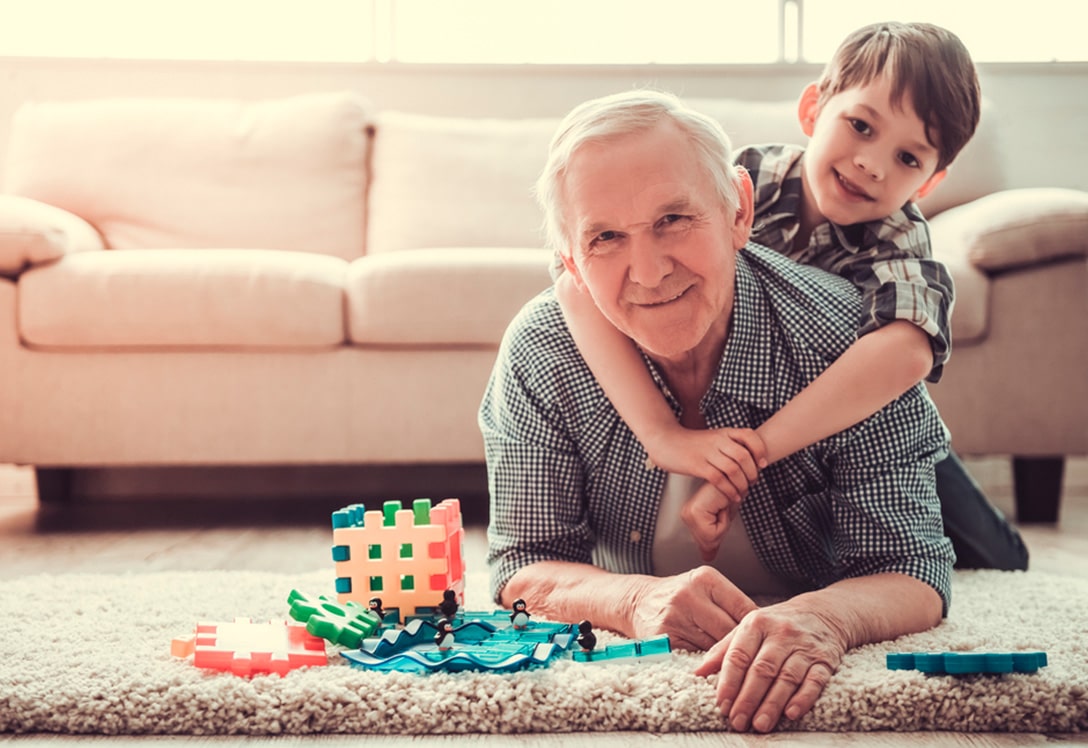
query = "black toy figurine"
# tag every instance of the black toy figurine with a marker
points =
(444, 636)
(587, 640)
(375, 606)
(448, 606)
(519, 619)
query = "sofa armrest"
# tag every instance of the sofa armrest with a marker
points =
(1014, 228)
(33, 232)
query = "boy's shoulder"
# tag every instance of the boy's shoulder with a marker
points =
(770, 164)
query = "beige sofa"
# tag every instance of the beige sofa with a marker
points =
(314, 281)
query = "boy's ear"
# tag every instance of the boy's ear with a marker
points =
(742, 221)
(929, 184)
(808, 106)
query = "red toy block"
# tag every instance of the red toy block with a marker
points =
(246, 648)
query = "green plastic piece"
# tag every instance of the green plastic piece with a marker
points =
(421, 509)
(346, 624)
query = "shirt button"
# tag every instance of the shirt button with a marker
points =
(635, 536)
(874, 251)
(649, 465)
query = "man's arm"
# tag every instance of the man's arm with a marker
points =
(695, 609)
(779, 659)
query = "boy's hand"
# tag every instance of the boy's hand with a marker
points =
(708, 514)
(728, 459)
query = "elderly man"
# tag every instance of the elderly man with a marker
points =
(653, 221)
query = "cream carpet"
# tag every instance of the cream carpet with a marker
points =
(91, 654)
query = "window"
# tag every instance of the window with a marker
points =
(515, 31)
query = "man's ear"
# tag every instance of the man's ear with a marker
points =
(929, 184)
(745, 214)
(572, 269)
(808, 107)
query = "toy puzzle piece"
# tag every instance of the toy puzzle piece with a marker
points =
(246, 648)
(966, 663)
(657, 648)
(346, 624)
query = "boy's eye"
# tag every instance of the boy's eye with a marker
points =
(860, 126)
(910, 160)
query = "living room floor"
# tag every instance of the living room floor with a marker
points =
(108, 536)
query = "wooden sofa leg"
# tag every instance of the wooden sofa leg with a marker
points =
(1037, 486)
(54, 485)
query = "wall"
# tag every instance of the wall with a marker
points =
(1043, 107)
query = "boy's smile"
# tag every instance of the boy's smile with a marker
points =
(867, 156)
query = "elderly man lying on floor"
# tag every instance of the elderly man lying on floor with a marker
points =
(653, 222)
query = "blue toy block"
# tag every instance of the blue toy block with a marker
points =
(656, 648)
(967, 663)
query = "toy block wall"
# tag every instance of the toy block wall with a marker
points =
(407, 557)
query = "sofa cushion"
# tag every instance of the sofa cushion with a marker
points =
(442, 297)
(455, 182)
(1014, 228)
(32, 232)
(150, 173)
(183, 297)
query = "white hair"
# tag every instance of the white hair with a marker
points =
(624, 114)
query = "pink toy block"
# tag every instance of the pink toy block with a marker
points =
(406, 557)
(246, 648)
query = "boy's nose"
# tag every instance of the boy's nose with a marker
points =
(869, 163)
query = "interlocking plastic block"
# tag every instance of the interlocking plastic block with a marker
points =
(246, 648)
(966, 663)
(656, 648)
(407, 557)
(346, 624)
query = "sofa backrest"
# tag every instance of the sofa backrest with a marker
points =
(197, 173)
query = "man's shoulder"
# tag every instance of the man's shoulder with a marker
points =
(538, 341)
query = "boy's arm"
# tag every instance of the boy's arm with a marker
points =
(875, 370)
(726, 459)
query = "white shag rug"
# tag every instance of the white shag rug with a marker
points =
(90, 654)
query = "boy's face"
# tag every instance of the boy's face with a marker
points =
(866, 158)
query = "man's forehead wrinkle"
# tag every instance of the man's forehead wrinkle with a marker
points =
(676, 200)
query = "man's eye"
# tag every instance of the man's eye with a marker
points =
(672, 219)
(604, 236)
(860, 126)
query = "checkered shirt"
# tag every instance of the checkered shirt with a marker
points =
(570, 482)
(889, 260)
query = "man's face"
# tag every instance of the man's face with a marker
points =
(652, 242)
(866, 158)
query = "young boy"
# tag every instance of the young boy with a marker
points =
(893, 108)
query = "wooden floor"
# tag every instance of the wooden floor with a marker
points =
(103, 536)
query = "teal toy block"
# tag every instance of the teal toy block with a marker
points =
(347, 624)
(967, 663)
(659, 647)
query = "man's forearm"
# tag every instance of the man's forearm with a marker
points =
(564, 591)
(876, 608)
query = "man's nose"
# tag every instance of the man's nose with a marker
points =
(649, 262)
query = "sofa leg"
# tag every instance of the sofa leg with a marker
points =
(54, 485)
(1037, 486)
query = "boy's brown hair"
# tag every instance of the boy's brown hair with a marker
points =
(927, 63)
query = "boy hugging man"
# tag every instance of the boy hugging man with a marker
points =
(891, 111)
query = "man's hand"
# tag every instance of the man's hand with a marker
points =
(728, 459)
(708, 514)
(776, 661)
(696, 609)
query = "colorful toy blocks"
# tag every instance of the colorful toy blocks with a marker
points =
(407, 557)
(967, 663)
(656, 648)
(346, 624)
(246, 648)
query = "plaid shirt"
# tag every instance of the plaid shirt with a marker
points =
(569, 481)
(889, 260)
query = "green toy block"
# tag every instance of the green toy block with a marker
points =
(346, 624)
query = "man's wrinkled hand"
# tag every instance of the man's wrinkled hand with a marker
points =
(776, 662)
(696, 609)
